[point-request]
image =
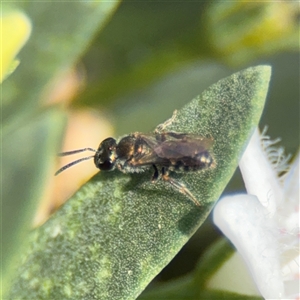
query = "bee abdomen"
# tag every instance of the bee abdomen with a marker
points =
(199, 162)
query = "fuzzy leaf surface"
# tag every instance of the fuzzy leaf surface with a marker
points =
(119, 230)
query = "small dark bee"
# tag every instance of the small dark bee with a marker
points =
(162, 151)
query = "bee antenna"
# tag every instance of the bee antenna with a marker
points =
(75, 162)
(75, 151)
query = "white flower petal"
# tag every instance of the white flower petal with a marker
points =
(243, 220)
(292, 180)
(259, 176)
(289, 210)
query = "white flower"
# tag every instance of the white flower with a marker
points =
(263, 225)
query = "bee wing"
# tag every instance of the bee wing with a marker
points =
(148, 159)
(178, 145)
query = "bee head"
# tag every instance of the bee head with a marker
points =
(105, 157)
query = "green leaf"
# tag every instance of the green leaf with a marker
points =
(183, 288)
(146, 108)
(27, 155)
(171, 34)
(167, 37)
(264, 28)
(31, 134)
(225, 295)
(194, 285)
(118, 231)
(61, 32)
(211, 261)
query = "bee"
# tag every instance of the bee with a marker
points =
(162, 151)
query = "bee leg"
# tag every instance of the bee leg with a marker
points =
(179, 186)
(161, 127)
(155, 174)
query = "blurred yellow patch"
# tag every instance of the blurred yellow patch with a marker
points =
(15, 31)
(241, 31)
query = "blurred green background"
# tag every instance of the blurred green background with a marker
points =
(136, 63)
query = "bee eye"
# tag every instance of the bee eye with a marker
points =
(105, 156)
